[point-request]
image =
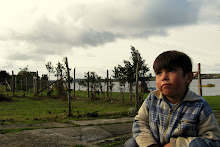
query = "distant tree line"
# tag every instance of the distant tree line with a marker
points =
(123, 74)
(95, 84)
(127, 73)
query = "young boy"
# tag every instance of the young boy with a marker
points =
(173, 115)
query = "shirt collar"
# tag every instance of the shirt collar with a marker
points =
(189, 96)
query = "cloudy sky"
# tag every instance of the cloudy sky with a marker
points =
(97, 35)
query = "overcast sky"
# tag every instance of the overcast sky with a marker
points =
(97, 35)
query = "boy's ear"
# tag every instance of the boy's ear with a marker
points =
(189, 77)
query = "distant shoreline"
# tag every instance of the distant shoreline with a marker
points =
(203, 76)
(153, 78)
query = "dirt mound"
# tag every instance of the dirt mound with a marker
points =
(5, 97)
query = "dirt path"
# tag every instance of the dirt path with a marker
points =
(85, 133)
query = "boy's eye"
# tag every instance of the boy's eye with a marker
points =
(171, 70)
(158, 73)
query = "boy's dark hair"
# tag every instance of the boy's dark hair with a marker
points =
(173, 59)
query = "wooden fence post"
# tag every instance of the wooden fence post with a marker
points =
(13, 84)
(34, 84)
(74, 84)
(41, 86)
(199, 79)
(107, 85)
(21, 84)
(88, 83)
(37, 81)
(137, 88)
(68, 76)
(27, 85)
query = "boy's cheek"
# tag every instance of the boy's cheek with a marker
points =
(158, 85)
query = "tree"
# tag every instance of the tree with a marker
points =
(63, 77)
(44, 81)
(130, 76)
(22, 75)
(4, 76)
(50, 68)
(23, 71)
(95, 84)
(119, 74)
(68, 81)
(127, 73)
(111, 85)
(59, 70)
(60, 82)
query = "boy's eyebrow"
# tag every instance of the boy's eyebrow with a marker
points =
(166, 68)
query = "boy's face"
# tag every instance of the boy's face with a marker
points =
(172, 83)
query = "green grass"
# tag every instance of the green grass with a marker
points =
(43, 109)
(4, 131)
(78, 145)
(31, 109)
(23, 109)
(214, 102)
(114, 142)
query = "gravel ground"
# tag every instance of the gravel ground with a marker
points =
(86, 133)
(90, 133)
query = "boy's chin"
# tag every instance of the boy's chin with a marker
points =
(168, 94)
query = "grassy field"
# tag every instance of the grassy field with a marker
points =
(29, 109)
(214, 102)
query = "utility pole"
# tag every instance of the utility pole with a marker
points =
(37, 82)
(13, 84)
(107, 85)
(137, 87)
(69, 91)
(74, 86)
(199, 79)
(88, 84)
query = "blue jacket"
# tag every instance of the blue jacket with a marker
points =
(159, 123)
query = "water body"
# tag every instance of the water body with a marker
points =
(206, 91)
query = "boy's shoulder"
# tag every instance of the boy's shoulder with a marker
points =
(156, 93)
(190, 96)
(190, 101)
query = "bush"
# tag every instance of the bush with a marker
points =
(93, 114)
(5, 98)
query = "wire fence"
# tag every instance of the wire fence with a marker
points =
(25, 84)
(34, 85)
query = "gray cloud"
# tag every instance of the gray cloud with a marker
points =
(51, 35)
(98, 23)
(19, 56)
(25, 56)
(170, 13)
(210, 11)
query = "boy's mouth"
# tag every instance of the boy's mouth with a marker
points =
(165, 85)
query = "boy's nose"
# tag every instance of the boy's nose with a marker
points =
(164, 76)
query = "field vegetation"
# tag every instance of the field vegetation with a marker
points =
(42, 108)
(33, 109)
(23, 105)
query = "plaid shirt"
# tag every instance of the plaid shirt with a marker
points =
(165, 122)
